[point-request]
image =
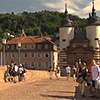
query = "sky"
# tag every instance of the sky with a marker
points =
(80, 8)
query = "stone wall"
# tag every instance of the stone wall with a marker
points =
(2, 72)
(29, 75)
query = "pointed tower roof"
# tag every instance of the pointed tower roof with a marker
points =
(93, 9)
(66, 22)
(23, 33)
(93, 18)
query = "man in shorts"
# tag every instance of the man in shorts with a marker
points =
(95, 76)
(68, 72)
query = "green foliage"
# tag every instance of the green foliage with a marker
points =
(45, 22)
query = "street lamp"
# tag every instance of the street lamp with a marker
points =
(4, 43)
(19, 47)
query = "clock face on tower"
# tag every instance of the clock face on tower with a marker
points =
(74, 45)
(85, 45)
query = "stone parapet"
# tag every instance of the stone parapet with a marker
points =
(30, 74)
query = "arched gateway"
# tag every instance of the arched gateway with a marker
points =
(79, 49)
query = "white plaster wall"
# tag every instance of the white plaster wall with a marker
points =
(92, 33)
(66, 33)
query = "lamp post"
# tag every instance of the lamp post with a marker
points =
(4, 43)
(19, 47)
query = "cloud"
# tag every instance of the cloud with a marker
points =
(78, 7)
(60, 5)
(88, 9)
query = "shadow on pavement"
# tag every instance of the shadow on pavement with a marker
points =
(79, 97)
(62, 91)
(60, 97)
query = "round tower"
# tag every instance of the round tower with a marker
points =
(93, 31)
(66, 31)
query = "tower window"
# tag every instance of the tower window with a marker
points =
(64, 48)
(64, 40)
(96, 48)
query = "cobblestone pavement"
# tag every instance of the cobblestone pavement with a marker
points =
(42, 90)
(39, 90)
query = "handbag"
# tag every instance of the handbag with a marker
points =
(80, 80)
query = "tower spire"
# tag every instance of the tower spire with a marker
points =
(66, 12)
(93, 9)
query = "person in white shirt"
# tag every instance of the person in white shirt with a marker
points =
(68, 72)
(95, 76)
(15, 72)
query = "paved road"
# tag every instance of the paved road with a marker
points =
(42, 90)
(39, 90)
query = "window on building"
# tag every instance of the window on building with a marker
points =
(32, 64)
(12, 47)
(26, 55)
(25, 64)
(64, 48)
(64, 40)
(64, 59)
(7, 47)
(74, 53)
(39, 55)
(46, 46)
(39, 64)
(39, 46)
(96, 48)
(32, 46)
(13, 55)
(25, 46)
(46, 55)
(46, 64)
(32, 55)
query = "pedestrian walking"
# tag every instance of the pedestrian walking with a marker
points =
(15, 73)
(89, 83)
(74, 72)
(12, 64)
(20, 73)
(58, 72)
(95, 71)
(51, 72)
(82, 73)
(68, 72)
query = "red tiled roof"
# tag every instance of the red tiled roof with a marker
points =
(29, 39)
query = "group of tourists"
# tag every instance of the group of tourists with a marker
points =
(57, 72)
(89, 76)
(85, 75)
(15, 73)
